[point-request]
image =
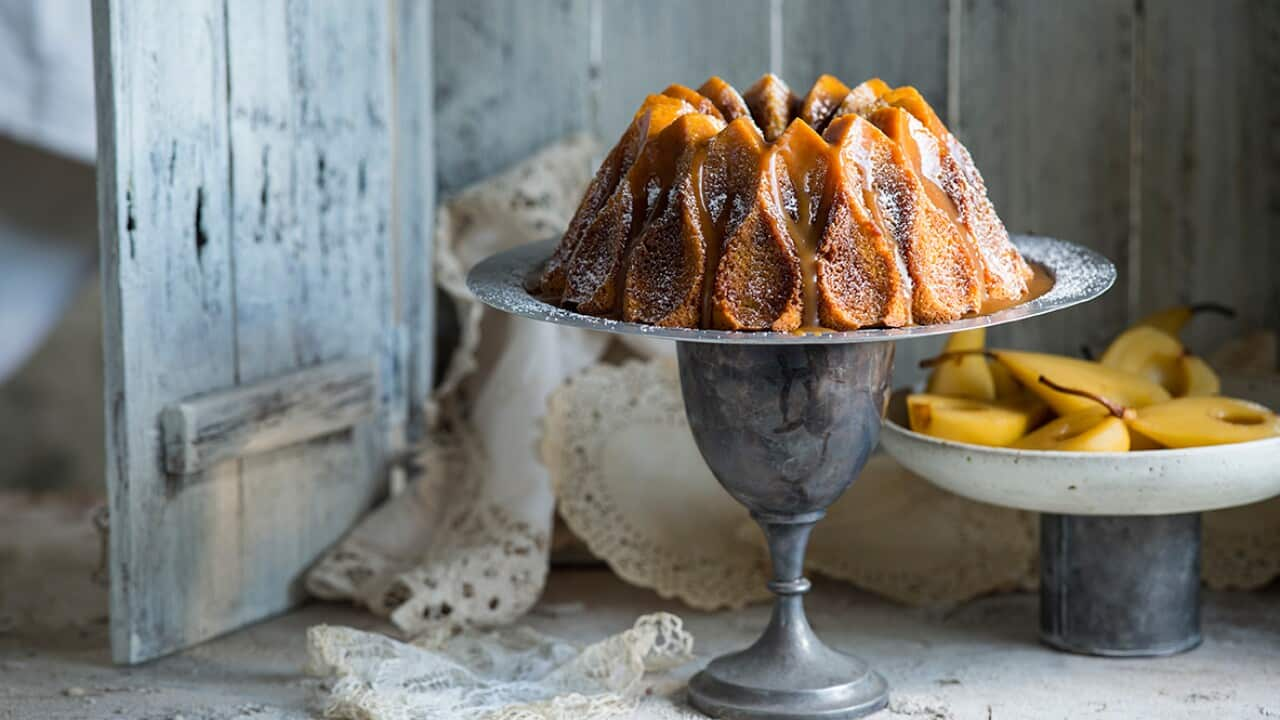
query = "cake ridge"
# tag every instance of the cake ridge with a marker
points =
(841, 209)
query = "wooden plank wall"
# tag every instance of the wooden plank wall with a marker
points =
(1045, 91)
(510, 77)
(1138, 127)
(247, 191)
(413, 210)
(1209, 78)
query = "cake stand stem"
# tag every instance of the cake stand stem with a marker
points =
(786, 429)
(1120, 586)
(787, 538)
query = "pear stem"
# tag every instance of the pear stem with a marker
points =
(954, 355)
(1215, 308)
(1116, 410)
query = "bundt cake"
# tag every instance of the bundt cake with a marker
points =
(844, 209)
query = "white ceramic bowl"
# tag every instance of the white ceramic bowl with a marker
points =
(1150, 482)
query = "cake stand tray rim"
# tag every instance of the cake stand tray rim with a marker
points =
(499, 282)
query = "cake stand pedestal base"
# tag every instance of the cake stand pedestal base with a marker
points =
(788, 674)
(1120, 586)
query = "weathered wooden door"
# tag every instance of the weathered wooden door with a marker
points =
(266, 292)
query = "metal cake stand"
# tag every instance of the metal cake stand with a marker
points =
(785, 423)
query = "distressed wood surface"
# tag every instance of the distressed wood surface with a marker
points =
(1044, 96)
(246, 193)
(510, 77)
(1209, 77)
(645, 46)
(168, 313)
(311, 188)
(903, 43)
(203, 431)
(413, 210)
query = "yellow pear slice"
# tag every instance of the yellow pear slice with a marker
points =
(1118, 386)
(1091, 430)
(1138, 441)
(1198, 421)
(1006, 385)
(1148, 352)
(964, 376)
(1196, 378)
(964, 420)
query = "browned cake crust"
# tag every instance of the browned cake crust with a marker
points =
(842, 209)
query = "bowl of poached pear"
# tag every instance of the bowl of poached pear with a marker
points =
(1143, 430)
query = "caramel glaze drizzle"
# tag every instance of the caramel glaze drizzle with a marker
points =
(805, 199)
(803, 194)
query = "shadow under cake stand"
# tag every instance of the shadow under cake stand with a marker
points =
(1119, 532)
(786, 422)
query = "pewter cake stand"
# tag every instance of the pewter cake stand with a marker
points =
(786, 422)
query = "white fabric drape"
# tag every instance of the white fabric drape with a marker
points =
(46, 76)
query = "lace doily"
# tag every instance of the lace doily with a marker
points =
(899, 536)
(509, 674)
(630, 482)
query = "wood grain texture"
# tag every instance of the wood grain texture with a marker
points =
(310, 112)
(168, 313)
(903, 43)
(413, 209)
(245, 192)
(1045, 91)
(511, 76)
(1210, 164)
(646, 46)
(202, 431)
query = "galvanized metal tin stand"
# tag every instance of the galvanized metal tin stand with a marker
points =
(1120, 586)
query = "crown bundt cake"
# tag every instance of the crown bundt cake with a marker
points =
(844, 209)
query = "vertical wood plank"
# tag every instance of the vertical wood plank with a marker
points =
(245, 192)
(1210, 165)
(904, 43)
(512, 76)
(414, 204)
(167, 293)
(647, 46)
(311, 190)
(1045, 93)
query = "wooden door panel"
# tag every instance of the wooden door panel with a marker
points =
(246, 199)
